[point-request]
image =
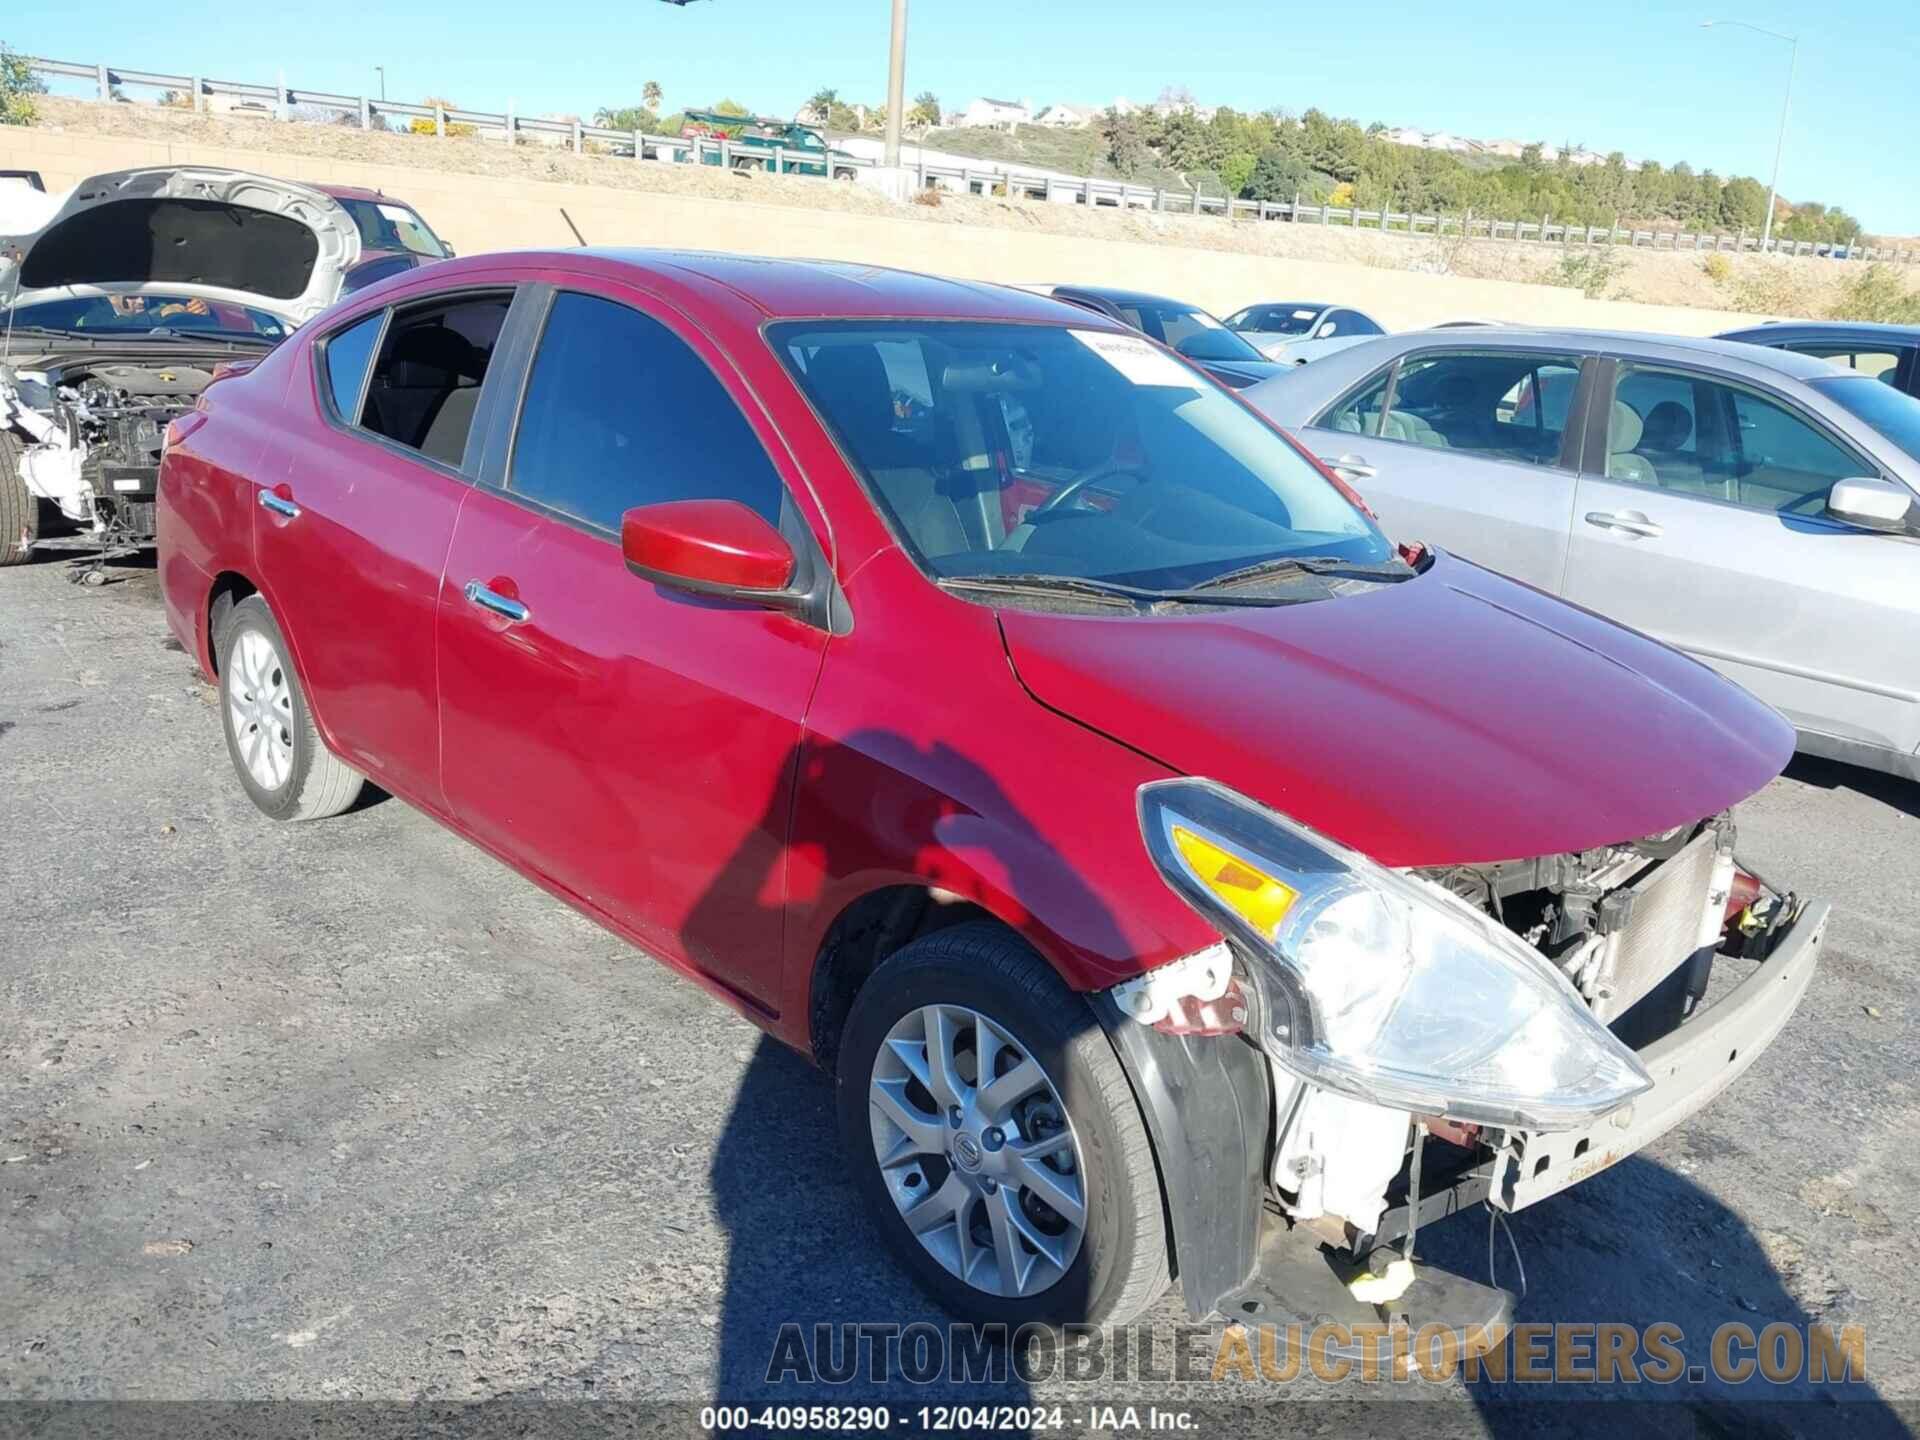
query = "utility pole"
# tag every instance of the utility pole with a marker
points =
(1786, 107)
(381, 70)
(896, 82)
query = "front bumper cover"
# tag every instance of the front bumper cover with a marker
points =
(1689, 1067)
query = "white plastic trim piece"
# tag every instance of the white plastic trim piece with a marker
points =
(1204, 975)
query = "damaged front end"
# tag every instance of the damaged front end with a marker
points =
(1428, 1040)
(88, 439)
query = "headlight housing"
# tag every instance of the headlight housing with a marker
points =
(1381, 985)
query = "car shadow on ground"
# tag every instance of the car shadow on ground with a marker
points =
(1894, 791)
(1644, 1245)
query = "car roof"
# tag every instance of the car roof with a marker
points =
(1123, 297)
(1733, 353)
(782, 289)
(1296, 305)
(1775, 330)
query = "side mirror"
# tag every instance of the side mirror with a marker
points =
(708, 547)
(1872, 504)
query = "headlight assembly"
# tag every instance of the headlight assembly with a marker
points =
(1380, 985)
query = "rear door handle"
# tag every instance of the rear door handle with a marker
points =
(493, 600)
(1350, 465)
(279, 505)
(1629, 522)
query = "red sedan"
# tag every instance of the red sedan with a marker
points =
(854, 641)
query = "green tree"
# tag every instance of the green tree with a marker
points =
(1277, 175)
(628, 117)
(1127, 149)
(822, 104)
(925, 113)
(650, 94)
(18, 86)
(730, 107)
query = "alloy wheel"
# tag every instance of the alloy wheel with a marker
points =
(977, 1150)
(260, 709)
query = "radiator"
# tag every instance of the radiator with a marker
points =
(1664, 927)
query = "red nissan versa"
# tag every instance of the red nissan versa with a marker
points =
(1175, 877)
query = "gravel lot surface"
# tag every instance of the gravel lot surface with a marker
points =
(349, 1110)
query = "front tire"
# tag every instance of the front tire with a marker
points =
(19, 510)
(282, 763)
(1027, 1195)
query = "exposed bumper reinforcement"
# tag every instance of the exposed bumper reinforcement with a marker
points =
(1689, 1068)
(1299, 1283)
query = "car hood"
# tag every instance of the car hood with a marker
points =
(1454, 718)
(1298, 350)
(196, 230)
(1240, 374)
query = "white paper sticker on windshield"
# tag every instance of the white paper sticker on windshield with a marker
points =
(1201, 317)
(1134, 358)
(397, 213)
(1305, 314)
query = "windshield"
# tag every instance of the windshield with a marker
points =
(1276, 319)
(145, 315)
(1039, 451)
(1892, 412)
(1192, 332)
(384, 225)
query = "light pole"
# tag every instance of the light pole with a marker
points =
(896, 82)
(381, 70)
(1786, 105)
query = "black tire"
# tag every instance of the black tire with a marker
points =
(19, 510)
(1121, 1266)
(316, 782)
(843, 175)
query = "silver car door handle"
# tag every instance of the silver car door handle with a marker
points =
(279, 505)
(496, 602)
(1351, 465)
(1628, 521)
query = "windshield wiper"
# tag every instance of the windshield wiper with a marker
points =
(1137, 596)
(1329, 565)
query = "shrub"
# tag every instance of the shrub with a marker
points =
(1588, 271)
(18, 86)
(929, 197)
(1876, 293)
(1775, 287)
(1718, 268)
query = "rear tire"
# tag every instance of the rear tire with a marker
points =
(1001, 1254)
(19, 510)
(282, 763)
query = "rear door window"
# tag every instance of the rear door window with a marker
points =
(620, 411)
(1502, 406)
(426, 383)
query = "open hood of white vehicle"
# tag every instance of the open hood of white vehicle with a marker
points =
(194, 230)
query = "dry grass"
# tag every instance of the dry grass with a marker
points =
(1769, 287)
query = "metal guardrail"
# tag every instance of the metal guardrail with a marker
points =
(280, 100)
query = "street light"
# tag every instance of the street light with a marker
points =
(1793, 66)
(382, 71)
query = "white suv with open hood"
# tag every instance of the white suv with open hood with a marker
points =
(119, 302)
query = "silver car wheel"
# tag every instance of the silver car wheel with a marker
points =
(977, 1150)
(260, 709)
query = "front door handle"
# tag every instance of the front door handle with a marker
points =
(279, 505)
(1629, 522)
(502, 605)
(1350, 465)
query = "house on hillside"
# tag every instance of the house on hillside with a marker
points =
(1065, 117)
(985, 114)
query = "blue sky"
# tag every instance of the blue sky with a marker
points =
(1639, 77)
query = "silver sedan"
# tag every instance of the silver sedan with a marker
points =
(1755, 508)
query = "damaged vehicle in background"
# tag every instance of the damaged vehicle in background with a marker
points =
(1181, 882)
(120, 303)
